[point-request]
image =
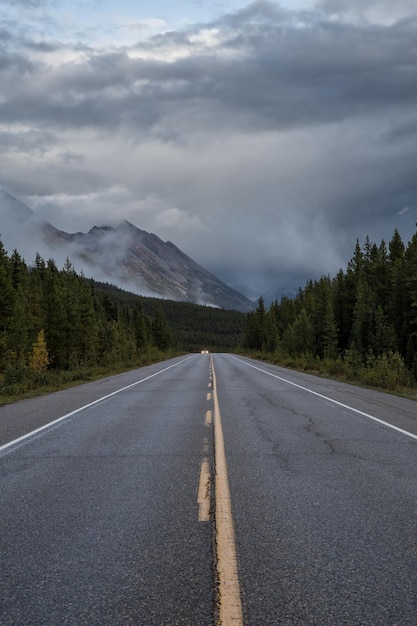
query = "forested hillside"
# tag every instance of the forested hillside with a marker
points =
(55, 321)
(362, 323)
(193, 326)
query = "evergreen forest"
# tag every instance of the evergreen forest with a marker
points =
(360, 325)
(57, 326)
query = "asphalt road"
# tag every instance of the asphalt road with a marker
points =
(324, 498)
(100, 515)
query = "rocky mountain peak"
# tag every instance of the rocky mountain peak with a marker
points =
(132, 258)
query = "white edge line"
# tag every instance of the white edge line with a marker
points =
(345, 406)
(82, 408)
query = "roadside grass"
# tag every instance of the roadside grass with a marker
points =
(23, 383)
(386, 373)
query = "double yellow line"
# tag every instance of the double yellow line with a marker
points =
(229, 598)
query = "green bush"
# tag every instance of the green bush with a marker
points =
(352, 363)
(387, 371)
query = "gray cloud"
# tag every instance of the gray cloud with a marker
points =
(264, 73)
(30, 141)
(262, 144)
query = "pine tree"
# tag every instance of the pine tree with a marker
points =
(362, 317)
(379, 275)
(396, 304)
(285, 314)
(18, 271)
(161, 334)
(330, 332)
(6, 291)
(299, 339)
(140, 330)
(54, 316)
(322, 315)
(383, 339)
(72, 326)
(410, 313)
(271, 331)
(260, 315)
(344, 304)
(250, 338)
(87, 326)
(19, 330)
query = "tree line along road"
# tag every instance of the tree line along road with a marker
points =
(209, 489)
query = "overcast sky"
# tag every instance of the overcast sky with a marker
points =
(262, 139)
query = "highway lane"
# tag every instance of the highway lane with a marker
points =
(99, 514)
(27, 415)
(324, 499)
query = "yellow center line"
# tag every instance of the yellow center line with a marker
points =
(208, 418)
(203, 497)
(229, 602)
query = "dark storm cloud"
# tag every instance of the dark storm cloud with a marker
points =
(262, 143)
(402, 130)
(266, 72)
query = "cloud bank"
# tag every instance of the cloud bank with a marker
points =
(262, 143)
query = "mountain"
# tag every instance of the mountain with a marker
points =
(126, 255)
(12, 209)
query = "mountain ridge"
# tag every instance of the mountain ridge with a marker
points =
(131, 257)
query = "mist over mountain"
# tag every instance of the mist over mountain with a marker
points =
(124, 255)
